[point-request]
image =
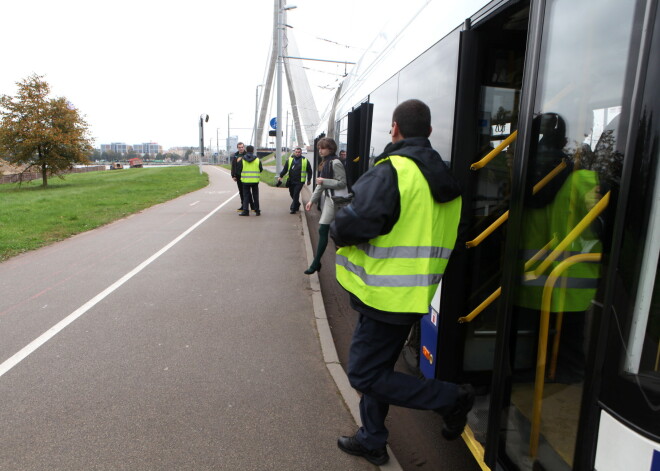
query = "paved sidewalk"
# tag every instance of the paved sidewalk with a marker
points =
(183, 337)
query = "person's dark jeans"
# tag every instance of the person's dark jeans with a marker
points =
(241, 193)
(374, 350)
(294, 192)
(251, 196)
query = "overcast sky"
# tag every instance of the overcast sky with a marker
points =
(144, 71)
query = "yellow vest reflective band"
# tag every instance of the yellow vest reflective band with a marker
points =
(400, 271)
(303, 170)
(576, 288)
(250, 172)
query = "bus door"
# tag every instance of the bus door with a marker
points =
(359, 134)
(545, 164)
(491, 66)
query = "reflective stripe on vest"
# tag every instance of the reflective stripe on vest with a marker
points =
(250, 172)
(303, 170)
(400, 271)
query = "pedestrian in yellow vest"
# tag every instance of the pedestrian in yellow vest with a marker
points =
(300, 172)
(395, 239)
(249, 169)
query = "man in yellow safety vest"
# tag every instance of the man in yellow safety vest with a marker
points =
(395, 239)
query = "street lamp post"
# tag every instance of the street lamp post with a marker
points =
(228, 132)
(256, 117)
(217, 143)
(280, 60)
(202, 119)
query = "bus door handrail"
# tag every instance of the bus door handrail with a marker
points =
(502, 219)
(545, 309)
(577, 230)
(496, 294)
(495, 152)
(544, 323)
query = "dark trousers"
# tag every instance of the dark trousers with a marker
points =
(294, 192)
(239, 184)
(250, 196)
(374, 350)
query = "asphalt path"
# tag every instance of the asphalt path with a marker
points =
(182, 337)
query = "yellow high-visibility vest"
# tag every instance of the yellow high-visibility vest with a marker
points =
(576, 288)
(250, 172)
(400, 271)
(303, 170)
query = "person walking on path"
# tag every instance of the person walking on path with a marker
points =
(395, 238)
(330, 182)
(300, 172)
(249, 169)
(236, 173)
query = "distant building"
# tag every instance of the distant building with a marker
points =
(119, 147)
(151, 148)
(232, 144)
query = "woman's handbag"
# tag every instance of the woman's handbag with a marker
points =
(341, 201)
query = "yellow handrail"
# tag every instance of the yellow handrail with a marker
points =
(493, 153)
(490, 229)
(539, 382)
(496, 294)
(577, 230)
(481, 307)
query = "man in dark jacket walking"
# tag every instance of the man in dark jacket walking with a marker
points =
(395, 239)
(300, 172)
(250, 168)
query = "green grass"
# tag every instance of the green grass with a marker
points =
(32, 216)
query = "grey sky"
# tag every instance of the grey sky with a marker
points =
(143, 70)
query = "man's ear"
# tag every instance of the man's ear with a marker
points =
(396, 132)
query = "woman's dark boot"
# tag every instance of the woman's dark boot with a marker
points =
(314, 267)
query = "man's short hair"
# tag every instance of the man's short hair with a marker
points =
(240, 144)
(413, 118)
(249, 149)
(297, 148)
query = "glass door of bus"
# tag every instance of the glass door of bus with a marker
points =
(566, 172)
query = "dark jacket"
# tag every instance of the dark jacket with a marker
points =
(296, 168)
(375, 207)
(247, 158)
(235, 160)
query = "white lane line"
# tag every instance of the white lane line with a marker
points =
(50, 333)
(193, 204)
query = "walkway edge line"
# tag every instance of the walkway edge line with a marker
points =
(330, 358)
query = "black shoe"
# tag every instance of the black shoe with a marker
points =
(351, 446)
(293, 211)
(240, 209)
(258, 212)
(313, 268)
(244, 213)
(456, 418)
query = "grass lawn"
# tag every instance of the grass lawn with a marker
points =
(32, 216)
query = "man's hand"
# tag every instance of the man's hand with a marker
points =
(308, 206)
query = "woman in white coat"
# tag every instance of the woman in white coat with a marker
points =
(330, 182)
